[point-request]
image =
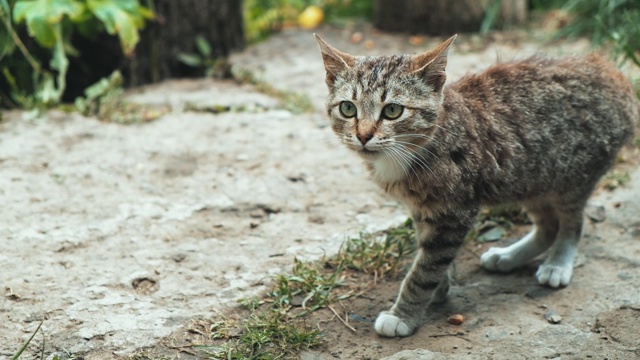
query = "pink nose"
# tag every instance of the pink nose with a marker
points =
(364, 138)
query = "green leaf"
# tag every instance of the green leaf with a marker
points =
(24, 347)
(42, 15)
(5, 6)
(47, 92)
(203, 46)
(59, 59)
(494, 234)
(121, 17)
(192, 60)
(6, 44)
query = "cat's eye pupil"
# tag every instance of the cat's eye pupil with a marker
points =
(348, 109)
(392, 111)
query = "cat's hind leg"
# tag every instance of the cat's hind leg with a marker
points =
(557, 268)
(541, 238)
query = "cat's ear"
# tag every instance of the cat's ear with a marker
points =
(431, 64)
(335, 61)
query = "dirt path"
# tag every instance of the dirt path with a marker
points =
(116, 235)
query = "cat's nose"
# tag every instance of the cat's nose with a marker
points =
(364, 138)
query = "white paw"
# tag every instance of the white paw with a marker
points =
(498, 259)
(389, 325)
(554, 275)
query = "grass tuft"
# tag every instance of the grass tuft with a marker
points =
(615, 179)
(291, 101)
(377, 254)
(275, 326)
(26, 344)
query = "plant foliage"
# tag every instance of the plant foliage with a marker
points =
(51, 23)
(264, 17)
(608, 21)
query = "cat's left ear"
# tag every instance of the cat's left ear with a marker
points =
(431, 64)
(335, 61)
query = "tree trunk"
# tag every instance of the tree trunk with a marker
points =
(178, 23)
(442, 17)
(155, 58)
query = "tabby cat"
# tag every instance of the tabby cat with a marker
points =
(538, 132)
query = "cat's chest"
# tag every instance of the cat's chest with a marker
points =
(392, 176)
(388, 170)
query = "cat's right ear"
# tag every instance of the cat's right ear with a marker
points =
(335, 61)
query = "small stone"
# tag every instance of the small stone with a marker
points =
(178, 257)
(455, 319)
(596, 213)
(552, 317)
(316, 219)
(356, 37)
(624, 276)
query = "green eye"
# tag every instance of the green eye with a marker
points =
(392, 111)
(348, 109)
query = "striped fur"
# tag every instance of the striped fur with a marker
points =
(539, 132)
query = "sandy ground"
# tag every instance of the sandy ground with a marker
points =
(117, 235)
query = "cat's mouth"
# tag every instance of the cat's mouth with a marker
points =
(368, 153)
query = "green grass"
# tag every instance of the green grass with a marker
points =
(379, 254)
(501, 217)
(607, 21)
(276, 327)
(291, 101)
(26, 344)
(615, 179)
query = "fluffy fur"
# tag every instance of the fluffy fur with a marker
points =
(539, 132)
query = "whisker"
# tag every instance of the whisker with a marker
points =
(431, 139)
(417, 146)
(404, 160)
(420, 160)
(407, 156)
(396, 159)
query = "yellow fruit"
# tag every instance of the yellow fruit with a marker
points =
(311, 17)
(456, 319)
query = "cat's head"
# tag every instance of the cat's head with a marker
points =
(384, 105)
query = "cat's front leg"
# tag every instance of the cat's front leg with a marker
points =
(438, 242)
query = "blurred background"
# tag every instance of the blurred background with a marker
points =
(74, 52)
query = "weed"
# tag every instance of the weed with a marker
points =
(269, 334)
(494, 222)
(51, 24)
(371, 254)
(264, 334)
(611, 21)
(219, 68)
(614, 179)
(291, 101)
(145, 356)
(26, 344)
(104, 100)
(274, 327)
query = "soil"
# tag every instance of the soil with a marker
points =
(116, 236)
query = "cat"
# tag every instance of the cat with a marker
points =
(538, 132)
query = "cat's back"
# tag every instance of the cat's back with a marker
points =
(542, 87)
(541, 77)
